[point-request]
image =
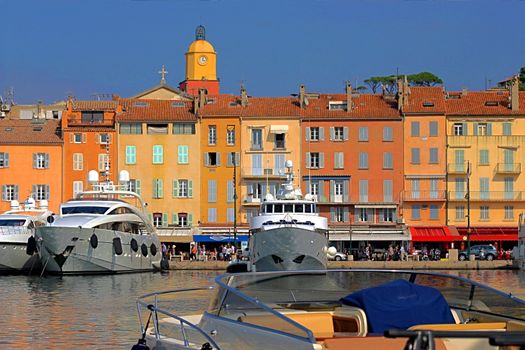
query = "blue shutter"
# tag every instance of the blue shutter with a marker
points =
(190, 188)
(175, 191)
(307, 133)
(321, 134)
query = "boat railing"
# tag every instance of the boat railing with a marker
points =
(145, 301)
(15, 230)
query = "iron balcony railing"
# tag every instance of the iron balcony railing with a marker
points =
(457, 168)
(424, 195)
(508, 168)
(486, 195)
(90, 122)
(263, 172)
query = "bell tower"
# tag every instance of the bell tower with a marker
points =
(201, 66)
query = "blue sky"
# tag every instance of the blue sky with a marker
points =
(52, 48)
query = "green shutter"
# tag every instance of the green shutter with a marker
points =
(175, 192)
(175, 218)
(161, 191)
(137, 187)
(475, 131)
(164, 219)
(190, 188)
(190, 219)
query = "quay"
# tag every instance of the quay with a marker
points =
(401, 265)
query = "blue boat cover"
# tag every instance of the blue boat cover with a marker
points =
(400, 304)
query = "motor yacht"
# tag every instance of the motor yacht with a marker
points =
(17, 242)
(288, 233)
(100, 231)
(331, 310)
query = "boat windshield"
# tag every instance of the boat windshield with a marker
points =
(12, 222)
(84, 210)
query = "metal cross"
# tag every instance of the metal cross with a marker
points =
(163, 72)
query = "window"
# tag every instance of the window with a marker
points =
(363, 134)
(459, 129)
(415, 194)
(212, 159)
(363, 190)
(78, 161)
(92, 117)
(433, 159)
(314, 188)
(131, 155)
(433, 129)
(158, 191)
(338, 133)
(181, 219)
(184, 129)
(509, 188)
(416, 212)
(314, 160)
(279, 164)
(133, 186)
(314, 134)
(182, 152)
(230, 189)
(338, 214)
(387, 214)
(212, 214)
(158, 154)
(415, 156)
(509, 212)
(4, 160)
(131, 128)
(434, 185)
(234, 159)
(434, 214)
(103, 162)
(256, 138)
(414, 129)
(257, 165)
(387, 191)
(104, 139)
(230, 214)
(481, 129)
(77, 138)
(40, 192)
(230, 135)
(460, 213)
(212, 191)
(363, 214)
(157, 129)
(507, 129)
(483, 157)
(338, 188)
(387, 160)
(9, 192)
(460, 188)
(40, 160)
(484, 188)
(280, 141)
(363, 160)
(182, 188)
(387, 134)
(157, 219)
(78, 186)
(212, 135)
(339, 160)
(484, 212)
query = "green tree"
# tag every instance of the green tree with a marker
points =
(522, 78)
(424, 79)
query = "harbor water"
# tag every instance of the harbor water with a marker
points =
(99, 312)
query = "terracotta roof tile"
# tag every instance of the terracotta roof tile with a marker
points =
(482, 103)
(95, 105)
(156, 110)
(426, 100)
(222, 105)
(26, 131)
(271, 107)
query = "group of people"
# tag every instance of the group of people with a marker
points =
(393, 253)
(225, 252)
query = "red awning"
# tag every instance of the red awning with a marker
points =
(490, 233)
(433, 234)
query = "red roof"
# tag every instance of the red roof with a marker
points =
(29, 131)
(364, 106)
(221, 105)
(95, 105)
(156, 110)
(482, 103)
(426, 100)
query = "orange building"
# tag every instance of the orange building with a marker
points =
(30, 162)
(89, 143)
(425, 159)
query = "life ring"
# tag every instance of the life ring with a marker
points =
(134, 245)
(144, 249)
(153, 249)
(117, 245)
(31, 246)
(93, 240)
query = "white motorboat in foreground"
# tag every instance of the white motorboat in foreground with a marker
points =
(97, 232)
(332, 310)
(17, 244)
(288, 233)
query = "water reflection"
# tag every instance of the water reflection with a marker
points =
(79, 312)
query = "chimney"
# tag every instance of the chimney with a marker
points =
(302, 96)
(464, 92)
(515, 94)
(244, 96)
(400, 95)
(348, 96)
(202, 98)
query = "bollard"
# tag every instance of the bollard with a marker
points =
(472, 257)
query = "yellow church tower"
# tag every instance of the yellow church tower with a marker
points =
(201, 66)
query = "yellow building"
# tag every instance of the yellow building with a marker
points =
(158, 143)
(270, 135)
(486, 137)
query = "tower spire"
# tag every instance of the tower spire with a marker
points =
(200, 33)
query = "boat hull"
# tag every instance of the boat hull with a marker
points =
(69, 250)
(288, 248)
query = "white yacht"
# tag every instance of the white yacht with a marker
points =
(100, 232)
(332, 310)
(17, 242)
(288, 233)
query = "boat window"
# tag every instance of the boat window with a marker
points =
(288, 208)
(269, 208)
(12, 222)
(308, 208)
(299, 208)
(278, 208)
(106, 226)
(84, 210)
(121, 210)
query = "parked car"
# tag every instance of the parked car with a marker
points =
(338, 257)
(481, 252)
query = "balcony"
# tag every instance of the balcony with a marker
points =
(486, 141)
(90, 122)
(508, 168)
(481, 196)
(262, 173)
(424, 196)
(457, 168)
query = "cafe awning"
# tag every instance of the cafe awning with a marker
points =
(220, 238)
(433, 234)
(487, 234)
(278, 129)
